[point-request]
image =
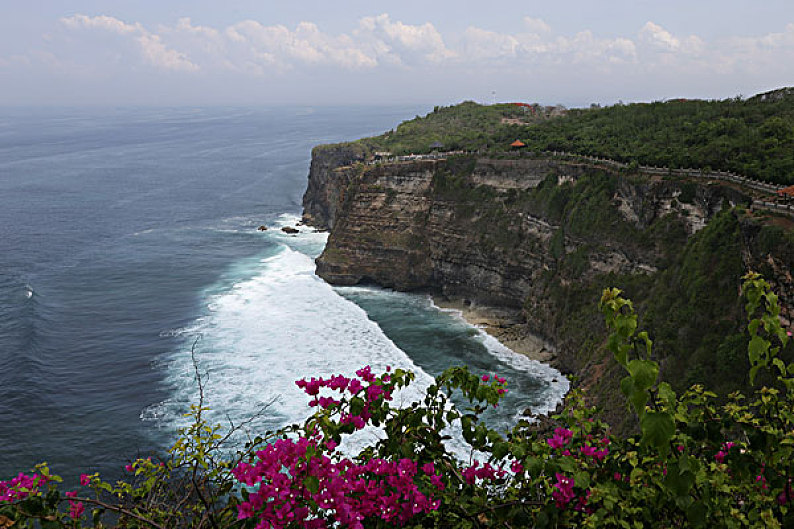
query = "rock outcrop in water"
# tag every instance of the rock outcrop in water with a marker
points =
(539, 238)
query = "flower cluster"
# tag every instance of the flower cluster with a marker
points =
(376, 390)
(722, 454)
(21, 487)
(484, 472)
(292, 476)
(303, 482)
(561, 437)
(499, 381)
(76, 508)
(594, 452)
(563, 490)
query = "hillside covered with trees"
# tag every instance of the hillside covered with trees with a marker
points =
(753, 137)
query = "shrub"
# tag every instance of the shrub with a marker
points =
(694, 463)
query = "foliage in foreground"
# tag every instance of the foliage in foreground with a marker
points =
(694, 464)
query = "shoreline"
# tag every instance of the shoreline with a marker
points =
(504, 326)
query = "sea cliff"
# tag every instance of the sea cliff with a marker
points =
(535, 239)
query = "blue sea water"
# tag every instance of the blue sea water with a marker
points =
(126, 234)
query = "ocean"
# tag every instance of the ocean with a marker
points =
(127, 235)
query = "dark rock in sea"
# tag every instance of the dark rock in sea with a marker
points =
(262, 228)
(289, 229)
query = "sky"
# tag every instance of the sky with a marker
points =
(308, 52)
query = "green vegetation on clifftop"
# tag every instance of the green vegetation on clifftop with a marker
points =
(752, 137)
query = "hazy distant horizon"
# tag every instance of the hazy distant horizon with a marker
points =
(374, 53)
(416, 106)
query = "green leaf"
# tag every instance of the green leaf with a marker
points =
(757, 353)
(780, 365)
(638, 399)
(626, 325)
(648, 342)
(518, 450)
(696, 514)
(667, 394)
(500, 450)
(753, 373)
(312, 484)
(644, 373)
(626, 385)
(679, 483)
(357, 405)
(657, 429)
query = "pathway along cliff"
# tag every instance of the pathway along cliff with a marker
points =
(534, 241)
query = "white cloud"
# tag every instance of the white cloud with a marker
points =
(402, 42)
(535, 55)
(159, 55)
(150, 45)
(102, 22)
(482, 44)
(536, 25)
(279, 46)
(533, 48)
(662, 39)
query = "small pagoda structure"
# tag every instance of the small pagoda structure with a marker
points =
(518, 144)
(786, 195)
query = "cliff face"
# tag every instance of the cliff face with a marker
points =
(538, 238)
(464, 229)
(324, 193)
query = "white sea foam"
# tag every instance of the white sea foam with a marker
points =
(558, 384)
(279, 322)
(262, 334)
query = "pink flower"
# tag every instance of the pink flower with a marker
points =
(516, 467)
(429, 468)
(373, 392)
(485, 378)
(128, 467)
(76, 509)
(366, 374)
(354, 386)
(561, 437)
(85, 480)
(564, 490)
(70, 493)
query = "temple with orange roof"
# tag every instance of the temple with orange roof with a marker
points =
(786, 192)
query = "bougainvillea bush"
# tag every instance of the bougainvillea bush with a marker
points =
(696, 461)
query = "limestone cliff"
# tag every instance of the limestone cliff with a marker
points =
(324, 193)
(538, 238)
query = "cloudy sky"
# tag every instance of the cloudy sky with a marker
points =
(307, 52)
